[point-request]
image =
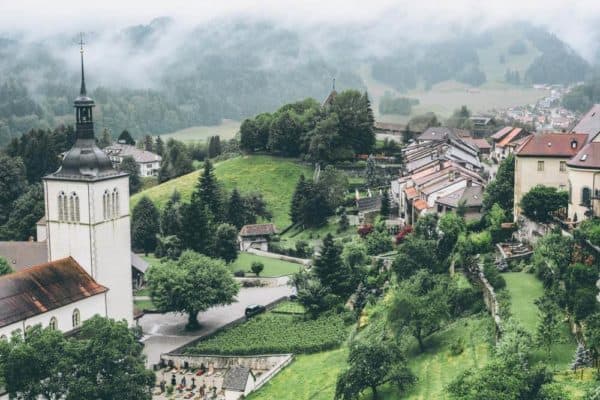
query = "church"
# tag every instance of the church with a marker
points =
(88, 242)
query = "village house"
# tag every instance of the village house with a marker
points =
(482, 125)
(506, 140)
(148, 163)
(470, 198)
(589, 124)
(542, 160)
(256, 236)
(584, 182)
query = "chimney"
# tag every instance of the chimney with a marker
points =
(469, 182)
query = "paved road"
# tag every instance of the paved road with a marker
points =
(166, 332)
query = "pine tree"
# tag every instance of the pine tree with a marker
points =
(148, 143)
(196, 233)
(130, 166)
(125, 137)
(235, 210)
(159, 146)
(371, 172)
(298, 200)
(144, 225)
(332, 272)
(208, 192)
(385, 204)
(171, 220)
(582, 357)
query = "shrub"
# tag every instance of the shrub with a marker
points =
(402, 234)
(365, 230)
(457, 347)
(257, 267)
(493, 276)
(239, 273)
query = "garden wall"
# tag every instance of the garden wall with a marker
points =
(490, 300)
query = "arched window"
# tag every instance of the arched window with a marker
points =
(586, 196)
(106, 205)
(62, 206)
(74, 207)
(53, 323)
(115, 200)
(76, 318)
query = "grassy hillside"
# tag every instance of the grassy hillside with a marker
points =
(274, 177)
(226, 130)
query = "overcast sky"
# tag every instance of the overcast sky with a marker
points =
(571, 20)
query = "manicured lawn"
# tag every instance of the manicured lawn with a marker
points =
(273, 267)
(289, 307)
(308, 377)
(524, 289)
(274, 333)
(315, 235)
(274, 177)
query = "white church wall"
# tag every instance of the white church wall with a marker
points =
(87, 307)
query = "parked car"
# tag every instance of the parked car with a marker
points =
(254, 309)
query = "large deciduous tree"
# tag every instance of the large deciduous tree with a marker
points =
(192, 284)
(25, 212)
(501, 189)
(540, 201)
(144, 225)
(226, 244)
(355, 120)
(370, 365)
(13, 183)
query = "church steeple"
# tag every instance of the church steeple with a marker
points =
(84, 123)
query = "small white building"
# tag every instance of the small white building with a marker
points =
(238, 382)
(256, 236)
(147, 161)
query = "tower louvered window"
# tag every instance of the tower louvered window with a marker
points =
(62, 206)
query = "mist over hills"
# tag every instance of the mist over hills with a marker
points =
(163, 76)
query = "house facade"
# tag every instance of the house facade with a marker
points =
(584, 182)
(148, 163)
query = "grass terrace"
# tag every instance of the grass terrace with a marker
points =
(273, 266)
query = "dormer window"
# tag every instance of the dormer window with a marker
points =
(573, 144)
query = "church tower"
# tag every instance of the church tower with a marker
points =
(87, 212)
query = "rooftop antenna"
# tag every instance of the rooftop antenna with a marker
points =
(82, 91)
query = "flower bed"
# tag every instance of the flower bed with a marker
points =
(276, 333)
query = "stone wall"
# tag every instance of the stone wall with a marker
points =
(490, 299)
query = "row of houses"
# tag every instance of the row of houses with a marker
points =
(441, 172)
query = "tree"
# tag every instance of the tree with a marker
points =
(249, 135)
(125, 137)
(130, 166)
(236, 210)
(176, 161)
(371, 175)
(450, 226)
(540, 201)
(370, 365)
(385, 205)
(26, 211)
(159, 146)
(581, 358)
(226, 244)
(414, 254)
(355, 254)
(5, 267)
(501, 189)
(257, 267)
(378, 242)
(104, 361)
(208, 192)
(325, 140)
(298, 200)
(329, 269)
(197, 228)
(285, 133)
(592, 337)
(192, 284)
(13, 183)
(105, 139)
(334, 185)
(355, 120)
(144, 225)
(148, 143)
(171, 219)
(214, 146)
(460, 118)
(419, 305)
(548, 330)
(426, 227)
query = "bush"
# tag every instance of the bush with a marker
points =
(239, 273)
(457, 347)
(493, 276)
(276, 333)
(365, 230)
(257, 267)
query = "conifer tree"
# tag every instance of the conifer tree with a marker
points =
(130, 166)
(385, 204)
(159, 146)
(148, 143)
(332, 272)
(226, 246)
(105, 139)
(196, 233)
(371, 172)
(171, 222)
(235, 210)
(208, 192)
(144, 225)
(298, 200)
(125, 137)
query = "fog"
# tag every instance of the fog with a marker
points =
(377, 25)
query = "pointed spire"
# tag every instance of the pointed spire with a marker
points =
(82, 91)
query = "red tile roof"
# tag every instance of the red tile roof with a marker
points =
(501, 133)
(508, 138)
(552, 145)
(44, 287)
(479, 143)
(588, 157)
(590, 123)
(411, 193)
(420, 204)
(258, 230)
